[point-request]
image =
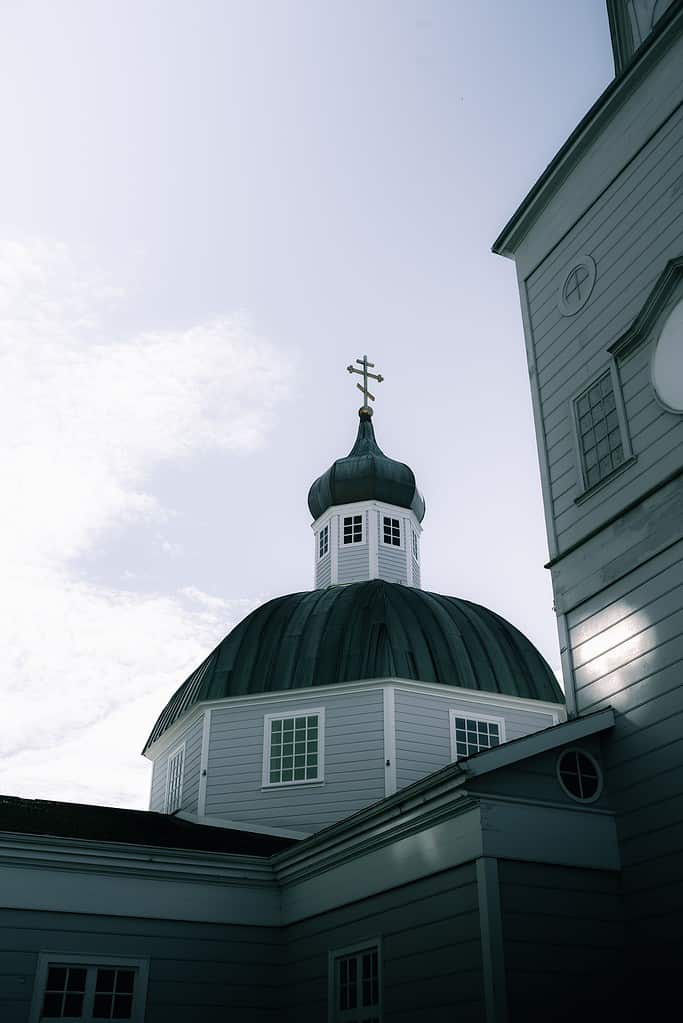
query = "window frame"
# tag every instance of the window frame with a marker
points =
(335, 1015)
(401, 532)
(352, 543)
(282, 715)
(601, 778)
(91, 964)
(585, 488)
(326, 531)
(179, 750)
(456, 712)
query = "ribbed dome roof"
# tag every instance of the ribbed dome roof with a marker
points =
(366, 630)
(366, 474)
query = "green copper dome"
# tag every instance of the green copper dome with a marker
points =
(366, 630)
(366, 474)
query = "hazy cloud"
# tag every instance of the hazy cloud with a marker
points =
(85, 417)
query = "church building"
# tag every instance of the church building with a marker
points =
(371, 803)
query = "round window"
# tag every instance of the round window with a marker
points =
(577, 285)
(667, 361)
(579, 775)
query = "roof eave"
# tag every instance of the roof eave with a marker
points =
(560, 166)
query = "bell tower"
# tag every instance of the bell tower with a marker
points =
(367, 510)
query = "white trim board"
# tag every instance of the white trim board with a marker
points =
(250, 827)
(90, 960)
(504, 702)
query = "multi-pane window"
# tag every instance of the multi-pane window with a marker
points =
(88, 993)
(598, 429)
(416, 549)
(174, 780)
(356, 987)
(475, 734)
(392, 531)
(294, 745)
(353, 529)
(323, 541)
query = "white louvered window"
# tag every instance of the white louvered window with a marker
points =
(356, 986)
(473, 734)
(293, 748)
(174, 780)
(78, 989)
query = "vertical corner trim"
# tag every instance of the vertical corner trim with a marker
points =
(373, 543)
(492, 949)
(389, 740)
(334, 550)
(204, 763)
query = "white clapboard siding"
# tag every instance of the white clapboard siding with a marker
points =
(423, 729)
(631, 230)
(353, 759)
(192, 737)
(627, 642)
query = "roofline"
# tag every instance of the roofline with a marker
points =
(250, 829)
(172, 734)
(560, 166)
(429, 798)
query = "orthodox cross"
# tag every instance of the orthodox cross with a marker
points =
(363, 388)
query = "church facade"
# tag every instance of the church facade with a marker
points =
(371, 801)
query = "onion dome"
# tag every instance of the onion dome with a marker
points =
(366, 474)
(366, 630)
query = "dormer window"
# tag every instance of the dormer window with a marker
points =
(323, 541)
(353, 529)
(391, 531)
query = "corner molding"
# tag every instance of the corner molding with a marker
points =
(665, 286)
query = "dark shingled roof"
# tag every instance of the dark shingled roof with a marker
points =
(366, 474)
(135, 827)
(366, 630)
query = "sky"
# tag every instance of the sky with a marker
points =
(208, 209)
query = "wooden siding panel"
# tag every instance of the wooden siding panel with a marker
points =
(431, 952)
(633, 229)
(323, 571)
(354, 564)
(423, 729)
(562, 928)
(353, 752)
(197, 971)
(392, 563)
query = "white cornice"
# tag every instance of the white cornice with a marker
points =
(494, 700)
(356, 507)
(122, 858)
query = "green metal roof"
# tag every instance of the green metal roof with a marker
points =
(366, 474)
(366, 630)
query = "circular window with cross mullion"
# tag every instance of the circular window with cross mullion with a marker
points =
(579, 775)
(577, 284)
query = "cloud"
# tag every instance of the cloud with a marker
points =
(85, 417)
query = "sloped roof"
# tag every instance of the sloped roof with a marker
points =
(135, 827)
(366, 630)
(366, 474)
